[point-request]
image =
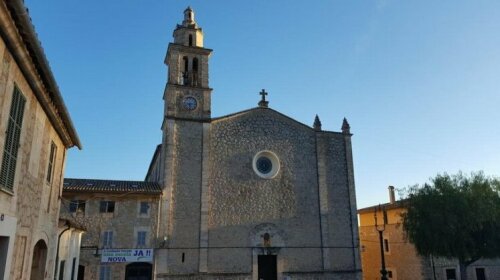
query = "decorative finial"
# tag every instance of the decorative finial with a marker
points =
(188, 17)
(317, 124)
(263, 102)
(346, 128)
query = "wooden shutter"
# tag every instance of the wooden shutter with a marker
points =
(12, 138)
(52, 157)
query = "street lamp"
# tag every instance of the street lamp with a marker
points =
(380, 229)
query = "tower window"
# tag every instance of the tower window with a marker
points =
(186, 63)
(190, 40)
(185, 72)
(195, 64)
(195, 71)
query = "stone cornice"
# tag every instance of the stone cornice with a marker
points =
(187, 49)
(22, 42)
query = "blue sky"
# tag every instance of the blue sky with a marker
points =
(419, 81)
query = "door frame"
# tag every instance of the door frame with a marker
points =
(255, 262)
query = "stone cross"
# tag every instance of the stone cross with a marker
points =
(263, 93)
(263, 102)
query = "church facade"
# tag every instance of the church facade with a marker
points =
(250, 195)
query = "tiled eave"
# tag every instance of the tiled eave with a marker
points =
(21, 40)
(72, 185)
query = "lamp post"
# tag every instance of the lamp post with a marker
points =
(380, 229)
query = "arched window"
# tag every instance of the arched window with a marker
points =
(190, 40)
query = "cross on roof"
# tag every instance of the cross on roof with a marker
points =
(263, 102)
(263, 93)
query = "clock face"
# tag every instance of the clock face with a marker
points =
(190, 103)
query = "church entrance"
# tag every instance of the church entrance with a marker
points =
(39, 259)
(138, 271)
(267, 267)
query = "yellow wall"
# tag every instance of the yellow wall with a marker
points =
(401, 259)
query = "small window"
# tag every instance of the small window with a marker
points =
(386, 245)
(480, 273)
(52, 160)
(144, 208)
(190, 40)
(389, 274)
(107, 206)
(107, 239)
(105, 272)
(77, 206)
(451, 274)
(141, 238)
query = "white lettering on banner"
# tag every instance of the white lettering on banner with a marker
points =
(126, 255)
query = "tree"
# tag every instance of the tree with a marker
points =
(455, 217)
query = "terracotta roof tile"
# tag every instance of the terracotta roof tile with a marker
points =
(94, 185)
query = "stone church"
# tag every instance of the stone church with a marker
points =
(251, 195)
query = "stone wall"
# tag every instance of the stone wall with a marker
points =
(240, 200)
(33, 204)
(339, 212)
(184, 222)
(215, 192)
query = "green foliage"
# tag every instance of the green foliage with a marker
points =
(455, 216)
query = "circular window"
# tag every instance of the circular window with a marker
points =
(266, 164)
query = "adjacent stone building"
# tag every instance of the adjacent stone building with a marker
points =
(119, 216)
(251, 195)
(401, 258)
(35, 131)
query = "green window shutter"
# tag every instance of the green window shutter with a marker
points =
(12, 138)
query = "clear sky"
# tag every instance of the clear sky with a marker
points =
(419, 81)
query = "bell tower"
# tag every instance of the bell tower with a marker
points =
(187, 95)
(186, 126)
